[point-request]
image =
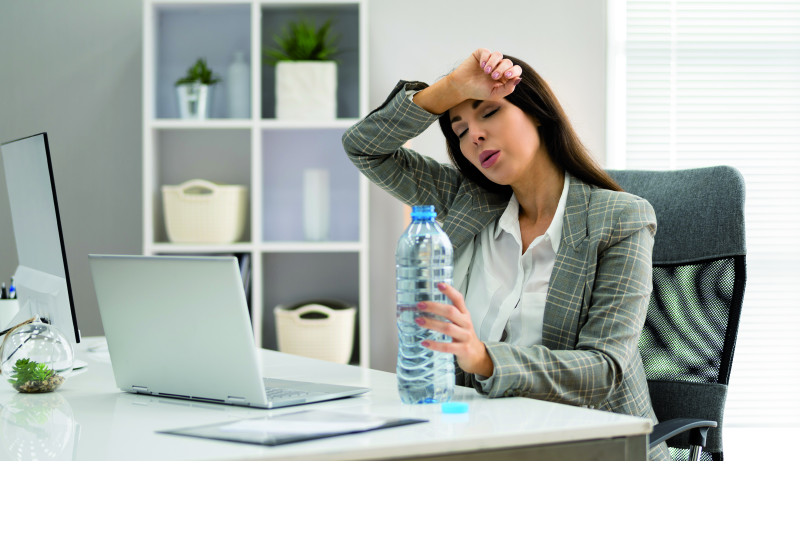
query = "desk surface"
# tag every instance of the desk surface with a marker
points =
(89, 418)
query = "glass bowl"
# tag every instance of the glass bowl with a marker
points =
(36, 357)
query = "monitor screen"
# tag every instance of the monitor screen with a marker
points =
(42, 277)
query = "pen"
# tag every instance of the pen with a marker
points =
(4, 293)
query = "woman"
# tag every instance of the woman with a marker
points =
(552, 274)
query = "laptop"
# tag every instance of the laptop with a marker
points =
(178, 326)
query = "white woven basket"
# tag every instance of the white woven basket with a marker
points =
(325, 333)
(199, 211)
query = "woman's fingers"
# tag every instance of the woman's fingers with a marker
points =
(482, 56)
(452, 313)
(444, 311)
(445, 327)
(458, 322)
(502, 70)
(455, 296)
(444, 347)
(464, 344)
(492, 61)
(510, 72)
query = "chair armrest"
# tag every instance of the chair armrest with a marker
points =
(670, 428)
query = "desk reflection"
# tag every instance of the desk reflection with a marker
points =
(38, 427)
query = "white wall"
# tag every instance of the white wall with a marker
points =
(73, 68)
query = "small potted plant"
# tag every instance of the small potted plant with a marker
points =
(31, 377)
(193, 90)
(305, 72)
(35, 357)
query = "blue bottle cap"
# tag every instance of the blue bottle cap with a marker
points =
(455, 407)
(426, 212)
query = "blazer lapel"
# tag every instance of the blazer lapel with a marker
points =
(568, 280)
(470, 214)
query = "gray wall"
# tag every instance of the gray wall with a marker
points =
(73, 69)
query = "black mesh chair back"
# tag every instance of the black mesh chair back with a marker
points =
(689, 336)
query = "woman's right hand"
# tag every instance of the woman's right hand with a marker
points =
(483, 75)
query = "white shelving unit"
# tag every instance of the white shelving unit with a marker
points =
(265, 154)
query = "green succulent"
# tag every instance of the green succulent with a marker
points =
(199, 72)
(26, 370)
(303, 41)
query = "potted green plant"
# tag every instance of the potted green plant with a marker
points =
(305, 71)
(193, 90)
(31, 377)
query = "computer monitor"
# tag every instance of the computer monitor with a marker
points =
(42, 277)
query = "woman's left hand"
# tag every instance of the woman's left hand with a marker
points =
(468, 349)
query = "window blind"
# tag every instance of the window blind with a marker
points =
(702, 83)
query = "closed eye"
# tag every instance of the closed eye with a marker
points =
(464, 131)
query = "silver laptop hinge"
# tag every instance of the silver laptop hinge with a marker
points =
(141, 389)
(236, 401)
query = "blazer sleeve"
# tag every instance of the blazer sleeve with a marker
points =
(375, 147)
(608, 341)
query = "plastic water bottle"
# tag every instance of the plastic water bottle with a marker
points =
(424, 258)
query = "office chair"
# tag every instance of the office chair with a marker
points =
(699, 276)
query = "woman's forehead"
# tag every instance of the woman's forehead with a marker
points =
(465, 108)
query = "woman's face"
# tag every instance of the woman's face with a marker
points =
(498, 138)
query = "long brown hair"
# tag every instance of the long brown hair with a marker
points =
(534, 96)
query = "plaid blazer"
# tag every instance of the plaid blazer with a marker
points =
(600, 285)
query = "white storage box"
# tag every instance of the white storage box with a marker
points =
(199, 211)
(321, 330)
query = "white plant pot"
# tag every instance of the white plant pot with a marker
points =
(305, 90)
(193, 101)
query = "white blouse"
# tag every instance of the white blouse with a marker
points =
(505, 289)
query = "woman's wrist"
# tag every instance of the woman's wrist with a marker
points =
(440, 96)
(482, 365)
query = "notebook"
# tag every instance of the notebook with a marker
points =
(178, 326)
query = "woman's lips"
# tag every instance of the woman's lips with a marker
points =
(488, 158)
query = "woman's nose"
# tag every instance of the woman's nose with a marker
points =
(478, 135)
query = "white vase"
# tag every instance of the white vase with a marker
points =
(238, 87)
(316, 204)
(193, 100)
(305, 90)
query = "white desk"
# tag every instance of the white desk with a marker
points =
(88, 418)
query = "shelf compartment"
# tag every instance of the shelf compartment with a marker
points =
(186, 32)
(220, 156)
(282, 183)
(289, 278)
(345, 24)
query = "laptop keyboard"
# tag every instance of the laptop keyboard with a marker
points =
(274, 394)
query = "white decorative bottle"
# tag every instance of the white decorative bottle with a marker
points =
(238, 82)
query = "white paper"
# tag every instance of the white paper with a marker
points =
(280, 425)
